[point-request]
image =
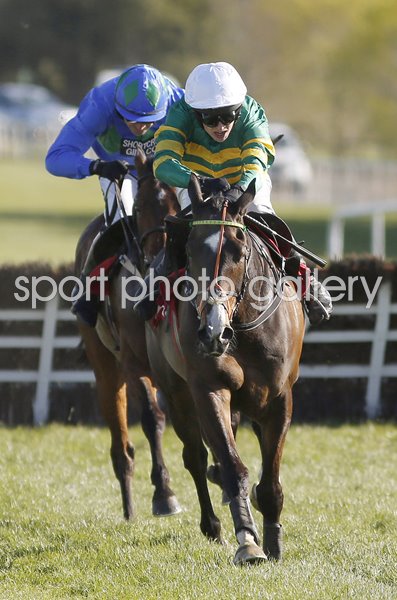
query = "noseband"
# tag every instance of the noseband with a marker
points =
(219, 296)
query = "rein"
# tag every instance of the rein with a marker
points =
(271, 308)
(145, 234)
(221, 298)
(129, 235)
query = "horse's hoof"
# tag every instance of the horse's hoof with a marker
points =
(248, 554)
(253, 498)
(166, 507)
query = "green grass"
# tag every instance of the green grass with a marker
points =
(42, 216)
(62, 535)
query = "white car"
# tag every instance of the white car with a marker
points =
(34, 107)
(292, 166)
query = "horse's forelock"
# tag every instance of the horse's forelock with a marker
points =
(212, 207)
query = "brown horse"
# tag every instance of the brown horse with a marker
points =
(234, 345)
(116, 348)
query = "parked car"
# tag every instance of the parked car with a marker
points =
(292, 166)
(34, 107)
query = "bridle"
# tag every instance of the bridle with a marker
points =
(216, 295)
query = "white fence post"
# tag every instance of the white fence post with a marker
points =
(336, 238)
(375, 210)
(41, 401)
(378, 231)
(373, 396)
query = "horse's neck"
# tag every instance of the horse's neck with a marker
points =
(261, 261)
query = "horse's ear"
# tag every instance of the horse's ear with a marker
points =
(194, 190)
(140, 161)
(245, 199)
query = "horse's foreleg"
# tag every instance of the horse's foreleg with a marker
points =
(214, 470)
(215, 419)
(195, 455)
(164, 502)
(268, 492)
(113, 402)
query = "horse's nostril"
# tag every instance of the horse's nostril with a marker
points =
(227, 334)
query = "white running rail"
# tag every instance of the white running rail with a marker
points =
(48, 341)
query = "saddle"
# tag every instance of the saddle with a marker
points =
(113, 242)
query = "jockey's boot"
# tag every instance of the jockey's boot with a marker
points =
(146, 307)
(86, 306)
(168, 260)
(317, 302)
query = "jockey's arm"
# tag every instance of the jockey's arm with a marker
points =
(65, 157)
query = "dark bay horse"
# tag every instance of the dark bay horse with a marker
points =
(234, 345)
(116, 348)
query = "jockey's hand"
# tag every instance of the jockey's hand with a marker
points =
(113, 170)
(234, 193)
(213, 186)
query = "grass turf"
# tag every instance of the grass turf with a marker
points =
(42, 217)
(62, 534)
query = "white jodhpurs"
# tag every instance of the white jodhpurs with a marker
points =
(260, 204)
(128, 192)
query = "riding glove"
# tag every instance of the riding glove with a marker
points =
(109, 169)
(213, 186)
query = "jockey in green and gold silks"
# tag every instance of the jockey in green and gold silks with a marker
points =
(184, 146)
(220, 134)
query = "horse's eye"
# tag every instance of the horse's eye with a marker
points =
(240, 235)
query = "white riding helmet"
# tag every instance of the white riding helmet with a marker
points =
(214, 85)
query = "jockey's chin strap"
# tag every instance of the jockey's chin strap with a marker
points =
(221, 297)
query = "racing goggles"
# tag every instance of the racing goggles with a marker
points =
(212, 118)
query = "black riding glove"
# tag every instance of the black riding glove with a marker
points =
(109, 169)
(212, 187)
(234, 193)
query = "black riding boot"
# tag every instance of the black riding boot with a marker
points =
(172, 258)
(86, 307)
(318, 306)
(146, 307)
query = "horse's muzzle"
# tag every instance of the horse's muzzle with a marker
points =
(214, 344)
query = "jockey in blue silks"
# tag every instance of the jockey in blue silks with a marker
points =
(114, 120)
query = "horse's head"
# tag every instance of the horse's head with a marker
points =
(153, 202)
(218, 254)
